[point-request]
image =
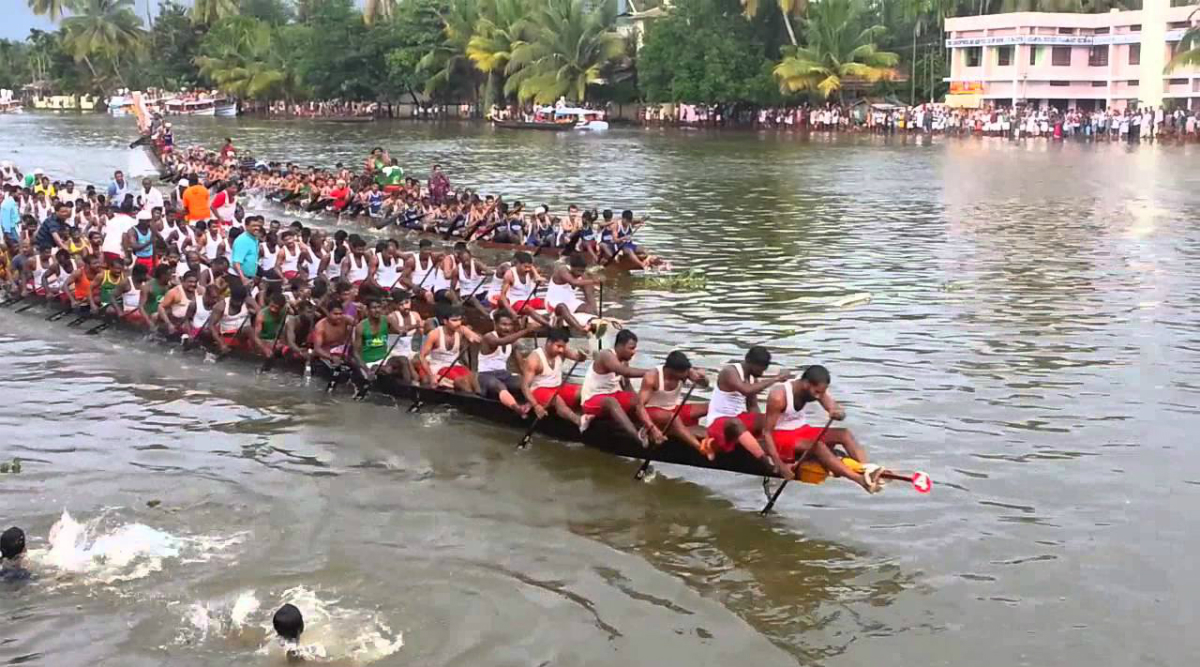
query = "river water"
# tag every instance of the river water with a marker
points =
(1031, 341)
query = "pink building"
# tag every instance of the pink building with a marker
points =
(1084, 61)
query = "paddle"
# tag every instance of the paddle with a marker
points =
(524, 442)
(771, 503)
(679, 408)
(11, 300)
(26, 307)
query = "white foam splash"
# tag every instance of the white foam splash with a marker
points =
(333, 633)
(99, 554)
(856, 299)
(128, 552)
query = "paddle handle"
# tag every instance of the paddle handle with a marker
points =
(529, 433)
(771, 503)
(641, 472)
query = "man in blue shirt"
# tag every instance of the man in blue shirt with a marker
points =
(10, 215)
(244, 259)
(118, 188)
(52, 234)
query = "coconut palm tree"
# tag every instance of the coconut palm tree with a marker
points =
(787, 8)
(835, 49)
(54, 9)
(103, 28)
(241, 58)
(1187, 52)
(208, 12)
(498, 32)
(378, 9)
(566, 49)
(447, 65)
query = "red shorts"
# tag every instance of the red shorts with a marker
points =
(786, 441)
(110, 256)
(593, 405)
(449, 375)
(569, 395)
(685, 415)
(716, 430)
(288, 275)
(147, 262)
(392, 188)
(534, 304)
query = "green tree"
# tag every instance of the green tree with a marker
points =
(175, 43)
(836, 48)
(346, 59)
(14, 64)
(209, 12)
(448, 69)
(566, 50)
(106, 29)
(374, 10)
(703, 52)
(274, 12)
(787, 10)
(498, 32)
(238, 55)
(54, 9)
(1187, 52)
(417, 29)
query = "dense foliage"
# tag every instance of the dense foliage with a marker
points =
(755, 52)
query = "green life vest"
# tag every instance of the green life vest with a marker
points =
(270, 326)
(374, 344)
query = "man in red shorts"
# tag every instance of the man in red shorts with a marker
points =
(607, 392)
(787, 431)
(733, 417)
(541, 377)
(661, 392)
(445, 350)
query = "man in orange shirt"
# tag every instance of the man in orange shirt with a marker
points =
(195, 201)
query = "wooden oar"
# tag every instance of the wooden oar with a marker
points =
(641, 472)
(10, 301)
(771, 503)
(524, 442)
(28, 306)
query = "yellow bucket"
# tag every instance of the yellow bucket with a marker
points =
(812, 472)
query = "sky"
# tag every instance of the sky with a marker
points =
(18, 19)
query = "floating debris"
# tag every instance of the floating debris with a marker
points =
(13, 466)
(682, 281)
(856, 299)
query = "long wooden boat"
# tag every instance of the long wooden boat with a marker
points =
(522, 125)
(598, 436)
(623, 263)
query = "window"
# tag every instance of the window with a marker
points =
(1066, 31)
(1004, 56)
(1098, 56)
(1132, 82)
(1101, 31)
(1060, 56)
(1135, 54)
(1178, 82)
(1137, 27)
(1178, 24)
(1098, 84)
(974, 54)
(1060, 84)
(1033, 50)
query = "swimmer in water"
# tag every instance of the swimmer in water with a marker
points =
(12, 552)
(289, 623)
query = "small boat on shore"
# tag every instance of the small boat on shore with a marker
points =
(545, 126)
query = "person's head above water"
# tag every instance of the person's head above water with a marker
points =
(12, 543)
(288, 622)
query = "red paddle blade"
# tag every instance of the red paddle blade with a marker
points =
(921, 482)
